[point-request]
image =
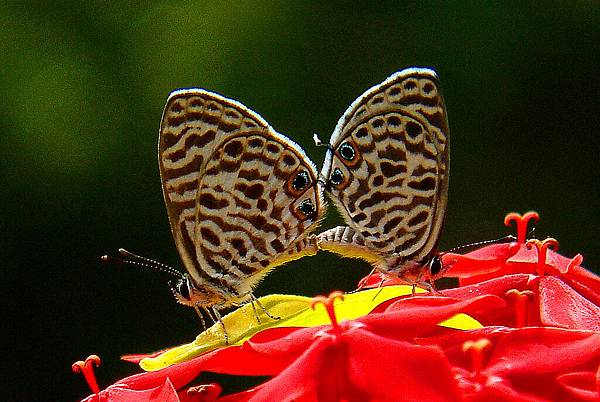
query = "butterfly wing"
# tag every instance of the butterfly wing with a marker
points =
(241, 198)
(387, 169)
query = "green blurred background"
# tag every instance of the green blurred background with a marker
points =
(82, 89)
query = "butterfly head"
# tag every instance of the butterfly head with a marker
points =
(416, 270)
(182, 290)
(436, 267)
(188, 293)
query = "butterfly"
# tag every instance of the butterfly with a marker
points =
(241, 199)
(386, 170)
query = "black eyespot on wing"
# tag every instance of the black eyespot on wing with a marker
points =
(435, 266)
(307, 208)
(234, 149)
(413, 129)
(337, 177)
(362, 133)
(256, 143)
(289, 160)
(347, 151)
(300, 181)
(428, 87)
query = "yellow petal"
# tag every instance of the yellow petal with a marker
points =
(293, 311)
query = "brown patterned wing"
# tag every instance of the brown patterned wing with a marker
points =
(241, 198)
(387, 170)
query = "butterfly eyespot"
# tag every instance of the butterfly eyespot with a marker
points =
(435, 266)
(337, 177)
(347, 151)
(300, 181)
(256, 143)
(428, 87)
(307, 208)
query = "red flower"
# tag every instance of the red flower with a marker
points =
(522, 256)
(369, 358)
(536, 338)
(150, 386)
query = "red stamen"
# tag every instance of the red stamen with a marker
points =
(205, 392)
(87, 369)
(542, 251)
(575, 261)
(327, 302)
(521, 301)
(476, 351)
(521, 221)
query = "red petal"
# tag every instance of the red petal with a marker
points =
(389, 370)
(420, 315)
(163, 393)
(358, 366)
(495, 390)
(584, 282)
(585, 277)
(452, 343)
(179, 374)
(561, 306)
(377, 279)
(302, 380)
(580, 385)
(537, 350)
(498, 287)
(483, 261)
(246, 360)
(277, 343)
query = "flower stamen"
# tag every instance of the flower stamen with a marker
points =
(327, 302)
(87, 369)
(542, 251)
(521, 301)
(575, 261)
(521, 221)
(476, 351)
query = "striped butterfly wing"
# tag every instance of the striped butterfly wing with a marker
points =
(387, 171)
(241, 198)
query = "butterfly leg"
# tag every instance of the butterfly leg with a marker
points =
(254, 299)
(218, 316)
(254, 310)
(201, 317)
(380, 287)
(428, 286)
(362, 283)
(209, 314)
(422, 284)
(433, 289)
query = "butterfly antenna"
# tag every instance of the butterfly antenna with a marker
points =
(505, 239)
(137, 260)
(320, 143)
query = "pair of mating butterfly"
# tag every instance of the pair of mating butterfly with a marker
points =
(243, 199)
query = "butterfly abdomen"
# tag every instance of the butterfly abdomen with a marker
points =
(346, 241)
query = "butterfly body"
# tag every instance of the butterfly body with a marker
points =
(241, 198)
(387, 170)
